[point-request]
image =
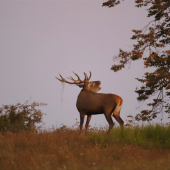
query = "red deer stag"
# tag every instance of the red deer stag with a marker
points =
(89, 102)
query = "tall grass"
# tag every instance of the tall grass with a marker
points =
(148, 136)
(140, 147)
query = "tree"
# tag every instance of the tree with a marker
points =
(20, 117)
(111, 3)
(153, 40)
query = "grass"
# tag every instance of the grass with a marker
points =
(139, 147)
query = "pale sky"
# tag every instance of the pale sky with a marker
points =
(39, 39)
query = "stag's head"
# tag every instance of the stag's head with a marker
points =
(93, 86)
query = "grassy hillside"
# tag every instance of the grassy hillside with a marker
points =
(145, 147)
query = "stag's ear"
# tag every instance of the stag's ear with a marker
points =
(92, 84)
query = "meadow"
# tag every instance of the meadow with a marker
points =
(140, 147)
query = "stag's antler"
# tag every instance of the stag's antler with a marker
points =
(78, 81)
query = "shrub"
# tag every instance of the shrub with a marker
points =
(20, 117)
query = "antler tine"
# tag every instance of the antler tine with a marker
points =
(71, 78)
(64, 80)
(86, 78)
(61, 77)
(79, 81)
(77, 76)
(58, 79)
(89, 76)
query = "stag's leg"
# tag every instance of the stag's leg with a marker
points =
(82, 115)
(87, 123)
(116, 114)
(110, 121)
(119, 120)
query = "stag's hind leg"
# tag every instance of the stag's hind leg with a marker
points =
(109, 120)
(116, 114)
(119, 120)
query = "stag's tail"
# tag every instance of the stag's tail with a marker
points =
(116, 111)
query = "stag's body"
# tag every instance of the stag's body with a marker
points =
(89, 102)
(97, 103)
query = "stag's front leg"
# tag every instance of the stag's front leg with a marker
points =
(87, 123)
(82, 115)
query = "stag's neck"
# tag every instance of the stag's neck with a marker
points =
(86, 91)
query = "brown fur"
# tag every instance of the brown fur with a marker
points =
(92, 103)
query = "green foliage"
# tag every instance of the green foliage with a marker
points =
(148, 136)
(152, 41)
(20, 117)
(111, 3)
